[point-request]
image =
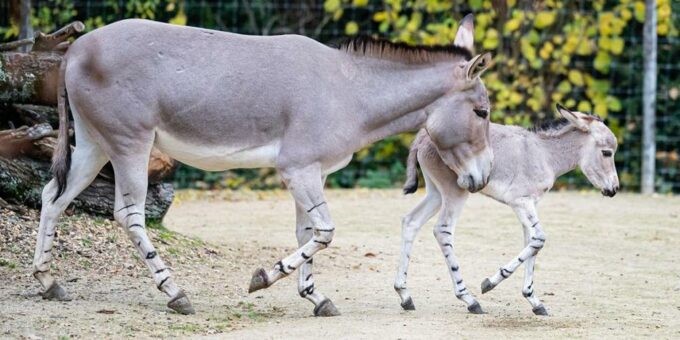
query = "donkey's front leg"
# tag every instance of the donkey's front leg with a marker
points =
(131, 187)
(528, 288)
(307, 190)
(443, 231)
(526, 212)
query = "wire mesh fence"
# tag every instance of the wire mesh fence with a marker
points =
(381, 165)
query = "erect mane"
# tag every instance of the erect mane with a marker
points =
(385, 49)
(556, 127)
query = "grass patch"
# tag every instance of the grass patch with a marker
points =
(7, 263)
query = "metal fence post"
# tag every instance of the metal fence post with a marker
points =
(25, 27)
(649, 98)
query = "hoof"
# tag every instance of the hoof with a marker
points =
(487, 286)
(326, 308)
(181, 304)
(475, 308)
(258, 281)
(540, 310)
(408, 304)
(55, 292)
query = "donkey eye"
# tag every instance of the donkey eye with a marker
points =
(481, 113)
(606, 153)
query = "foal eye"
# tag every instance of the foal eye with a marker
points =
(481, 113)
(606, 153)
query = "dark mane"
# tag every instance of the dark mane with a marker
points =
(385, 49)
(550, 125)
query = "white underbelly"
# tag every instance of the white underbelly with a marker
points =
(217, 157)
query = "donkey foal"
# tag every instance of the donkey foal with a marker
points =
(525, 167)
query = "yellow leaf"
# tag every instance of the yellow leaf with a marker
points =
(511, 26)
(380, 16)
(351, 28)
(616, 45)
(331, 6)
(179, 19)
(575, 77)
(544, 19)
(584, 106)
(491, 39)
(639, 11)
(359, 3)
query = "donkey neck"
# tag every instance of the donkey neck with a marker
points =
(564, 150)
(393, 95)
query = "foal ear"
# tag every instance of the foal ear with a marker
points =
(477, 65)
(580, 120)
(465, 37)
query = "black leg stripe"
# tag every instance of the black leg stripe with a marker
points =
(535, 224)
(133, 213)
(445, 232)
(308, 276)
(304, 256)
(327, 230)
(448, 245)
(520, 260)
(135, 225)
(161, 270)
(321, 242)
(455, 269)
(316, 206)
(125, 207)
(162, 282)
(151, 255)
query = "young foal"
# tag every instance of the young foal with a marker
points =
(220, 101)
(525, 167)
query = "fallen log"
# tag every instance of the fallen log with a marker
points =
(25, 168)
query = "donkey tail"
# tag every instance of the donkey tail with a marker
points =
(61, 159)
(411, 184)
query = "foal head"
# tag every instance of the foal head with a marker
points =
(597, 155)
(458, 123)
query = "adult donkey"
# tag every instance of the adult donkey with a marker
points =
(220, 101)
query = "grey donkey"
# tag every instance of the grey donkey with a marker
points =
(218, 101)
(525, 167)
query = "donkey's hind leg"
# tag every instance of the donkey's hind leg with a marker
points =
(130, 169)
(86, 162)
(410, 225)
(525, 209)
(304, 233)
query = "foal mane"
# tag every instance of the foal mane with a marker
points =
(401, 52)
(556, 127)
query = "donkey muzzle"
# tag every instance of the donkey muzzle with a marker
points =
(610, 192)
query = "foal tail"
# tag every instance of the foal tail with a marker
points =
(61, 159)
(411, 184)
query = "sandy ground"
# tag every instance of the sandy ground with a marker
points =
(610, 269)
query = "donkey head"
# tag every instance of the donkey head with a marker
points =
(458, 123)
(597, 155)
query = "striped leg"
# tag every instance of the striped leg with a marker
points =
(528, 288)
(131, 188)
(305, 277)
(87, 160)
(410, 225)
(443, 231)
(526, 212)
(307, 191)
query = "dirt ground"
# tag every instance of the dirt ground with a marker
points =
(610, 269)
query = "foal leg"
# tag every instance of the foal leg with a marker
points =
(307, 191)
(528, 288)
(526, 212)
(86, 162)
(130, 169)
(410, 225)
(454, 200)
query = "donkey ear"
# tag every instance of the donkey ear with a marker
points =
(477, 65)
(579, 120)
(465, 37)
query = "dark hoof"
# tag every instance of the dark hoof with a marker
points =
(55, 292)
(540, 310)
(258, 281)
(181, 304)
(486, 286)
(326, 308)
(475, 308)
(408, 304)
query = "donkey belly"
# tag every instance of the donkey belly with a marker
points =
(218, 157)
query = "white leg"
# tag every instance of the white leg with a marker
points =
(86, 162)
(303, 231)
(444, 230)
(131, 188)
(526, 212)
(307, 191)
(410, 225)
